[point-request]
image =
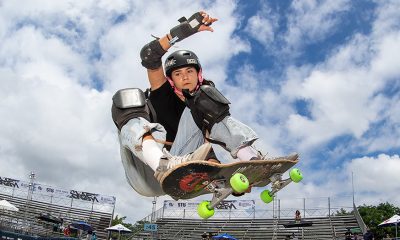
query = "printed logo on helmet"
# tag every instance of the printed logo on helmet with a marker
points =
(191, 61)
(170, 63)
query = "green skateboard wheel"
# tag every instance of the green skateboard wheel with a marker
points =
(266, 196)
(203, 211)
(239, 183)
(295, 175)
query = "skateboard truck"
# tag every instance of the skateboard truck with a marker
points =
(219, 196)
(220, 192)
(277, 184)
(238, 183)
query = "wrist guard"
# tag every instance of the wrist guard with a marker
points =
(186, 28)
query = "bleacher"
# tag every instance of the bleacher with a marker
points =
(333, 227)
(26, 220)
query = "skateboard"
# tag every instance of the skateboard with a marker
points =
(195, 178)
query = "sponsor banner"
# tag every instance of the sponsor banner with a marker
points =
(56, 192)
(227, 204)
(9, 182)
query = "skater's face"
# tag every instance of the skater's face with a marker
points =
(185, 78)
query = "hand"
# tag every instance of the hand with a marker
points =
(207, 21)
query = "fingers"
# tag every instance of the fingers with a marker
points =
(207, 21)
(205, 28)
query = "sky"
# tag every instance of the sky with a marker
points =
(320, 78)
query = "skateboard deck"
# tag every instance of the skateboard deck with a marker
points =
(195, 178)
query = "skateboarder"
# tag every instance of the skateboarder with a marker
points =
(188, 110)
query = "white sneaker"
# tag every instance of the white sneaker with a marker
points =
(292, 156)
(168, 161)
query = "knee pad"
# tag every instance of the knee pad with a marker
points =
(127, 104)
(208, 106)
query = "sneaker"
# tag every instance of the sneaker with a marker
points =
(168, 161)
(292, 156)
(260, 156)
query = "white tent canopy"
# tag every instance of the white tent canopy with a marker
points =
(5, 205)
(118, 228)
(393, 221)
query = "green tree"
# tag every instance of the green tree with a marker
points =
(342, 212)
(374, 215)
(120, 220)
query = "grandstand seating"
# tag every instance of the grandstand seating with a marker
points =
(26, 219)
(333, 227)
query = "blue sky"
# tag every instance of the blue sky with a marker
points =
(320, 78)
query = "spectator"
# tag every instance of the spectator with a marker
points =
(368, 235)
(347, 235)
(204, 235)
(207, 235)
(297, 216)
(89, 235)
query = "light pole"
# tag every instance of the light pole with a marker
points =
(352, 187)
(29, 197)
(153, 211)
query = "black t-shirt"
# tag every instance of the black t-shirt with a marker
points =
(168, 107)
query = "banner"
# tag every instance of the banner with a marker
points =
(56, 192)
(227, 204)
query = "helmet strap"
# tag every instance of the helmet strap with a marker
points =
(173, 86)
(200, 78)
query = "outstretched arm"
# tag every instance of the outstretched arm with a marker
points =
(152, 52)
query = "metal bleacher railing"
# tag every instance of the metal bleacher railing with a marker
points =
(256, 223)
(283, 208)
(37, 200)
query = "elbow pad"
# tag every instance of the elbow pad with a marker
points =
(151, 55)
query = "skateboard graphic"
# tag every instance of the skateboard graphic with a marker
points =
(195, 178)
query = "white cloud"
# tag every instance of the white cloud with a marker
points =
(311, 21)
(54, 121)
(387, 17)
(346, 93)
(262, 26)
(375, 179)
(351, 93)
(378, 174)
